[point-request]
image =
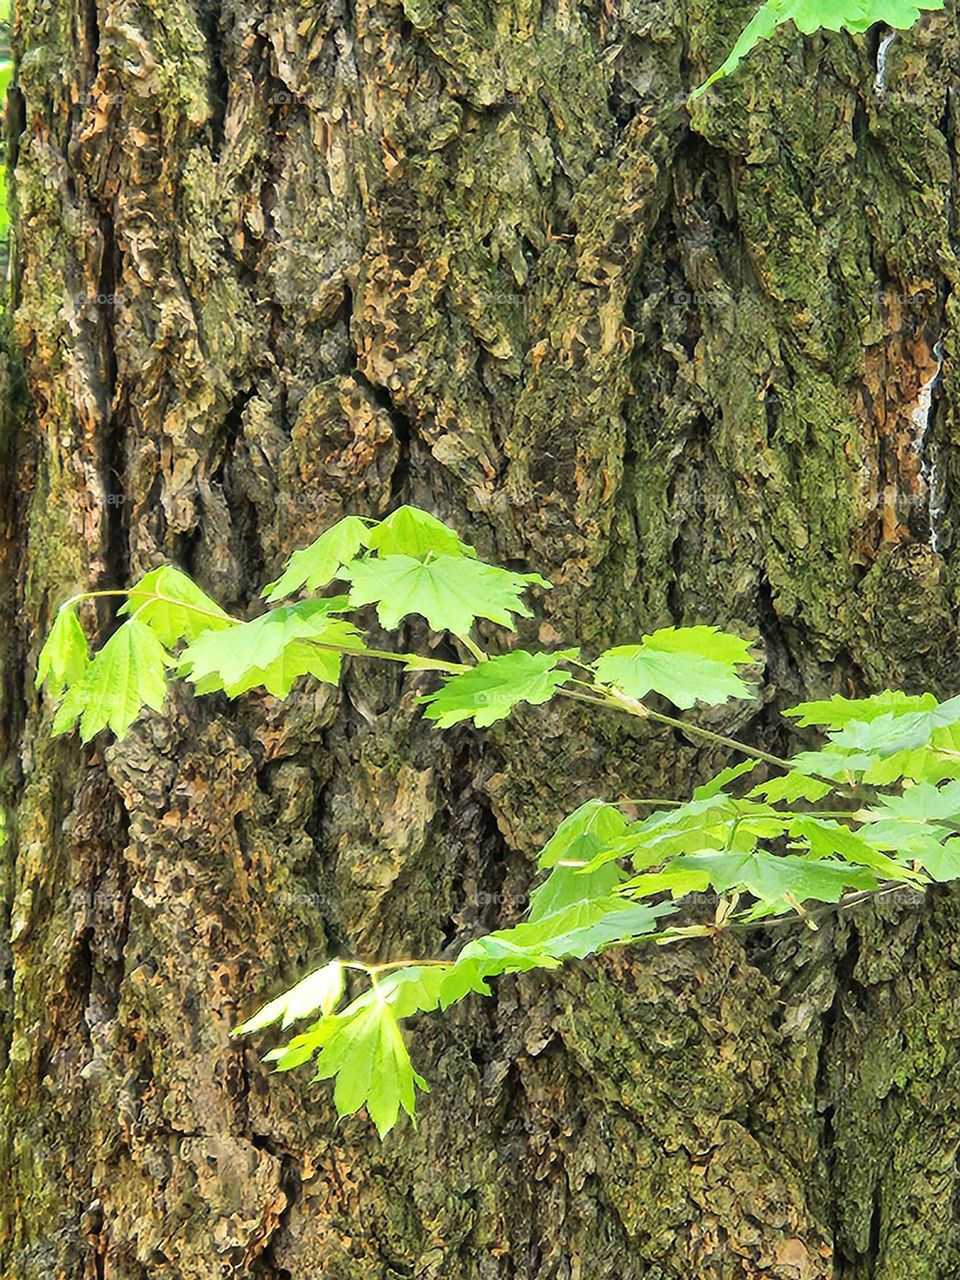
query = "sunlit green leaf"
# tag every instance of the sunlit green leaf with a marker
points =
(723, 779)
(686, 665)
(893, 732)
(317, 565)
(826, 838)
(935, 848)
(64, 657)
(836, 712)
(771, 877)
(270, 650)
(921, 803)
(372, 1067)
(183, 613)
(451, 592)
(489, 691)
(412, 532)
(578, 929)
(126, 675)
(791, 787)
(699, 824)
(583, 833)
(321, 990)
(299, 658)
(567, 886)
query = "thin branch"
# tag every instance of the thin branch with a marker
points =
(654, 800)
(721, 739)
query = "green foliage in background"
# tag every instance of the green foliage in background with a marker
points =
(875, 809)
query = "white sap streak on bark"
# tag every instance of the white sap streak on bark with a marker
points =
(879, 83)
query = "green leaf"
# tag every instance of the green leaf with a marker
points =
(897, 731)
(815, 15)
(686, 665)
(839, 765)
(935, 848)
(184, 613)
(568, 886)
(760, 27)
(583, 833)
(413, 989)
(128, 673)
(920, 764)
(791, 787)
(451, 592)
(771, 878)
(723, 779)
(924, 803)
(940, 858)
(315, 566)
(489, 691)
(677, 881)
(828, 839)
(299, 658)
(886, 735)
(699, 824)
(576, 930)
(903, 837)
(303, 1046)
(64, 657)
(408, 990)
(412, 532)
(321, 990)
(367, 1056)
(837, 712)
(270, 649)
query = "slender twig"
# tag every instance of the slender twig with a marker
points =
(633, 707)
(413, 660)
(363, 967)
(582, 697)
(648, 800)
(721, 739)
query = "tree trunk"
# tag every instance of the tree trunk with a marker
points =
(274, 263)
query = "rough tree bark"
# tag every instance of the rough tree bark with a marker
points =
(276, 262)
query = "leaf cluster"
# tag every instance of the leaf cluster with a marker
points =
(875, 808)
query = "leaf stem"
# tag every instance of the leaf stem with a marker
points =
(413, 660)
(721, 739)
(148, 598)
(474, 648)
(372, 969)
(583, 697)
(850, 900)
(633, 707)
(404, 964)
(647, 800)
